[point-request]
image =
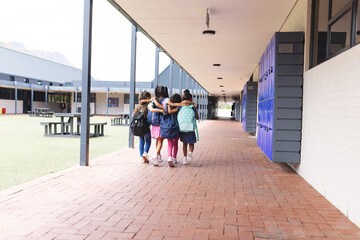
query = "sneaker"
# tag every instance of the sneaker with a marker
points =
(185, 162)
(155, 161)
(159, 158)
(170, 162)
(145, 157)
(174, 160)
(142, 160)
(189, 157)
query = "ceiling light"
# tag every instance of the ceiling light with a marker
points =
(209, 32)
(216, 64)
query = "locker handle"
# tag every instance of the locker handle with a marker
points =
(271, 69)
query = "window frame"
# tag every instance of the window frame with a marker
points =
(352, 8)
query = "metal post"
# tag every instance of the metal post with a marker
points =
(181, 80)
(207, 106)
(201, 104)
(46, 96)
(107, 101)
(192, 87)
(157, 65)
(187, 81)
(132, 81)
(76, 98)
(197, 93)
(86, 83)
(171, 77)
(32, 98)
(16, 96)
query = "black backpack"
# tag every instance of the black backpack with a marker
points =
(139, 125)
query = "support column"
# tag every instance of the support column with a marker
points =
(46, 96)
(157, 66)
(197, 93)
(76, 98)
(132, 81)
(181, 81)
(86, 83)
(107, 101)
(192, 88)
(32, 98)
(16, 96)
(201, 104)
(171, 78)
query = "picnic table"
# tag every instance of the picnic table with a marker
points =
(41, 112)
(120, 119)
(67, 128)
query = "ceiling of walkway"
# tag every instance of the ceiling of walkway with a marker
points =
(243, 30)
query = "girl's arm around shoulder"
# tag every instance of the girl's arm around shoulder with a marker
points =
(156, 109)
(143, 101)
(170, 111)
(157, 104)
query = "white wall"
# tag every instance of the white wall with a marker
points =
(330, 152)
(10, 106)
(101, 104)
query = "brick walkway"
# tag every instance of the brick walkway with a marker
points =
(231, 191)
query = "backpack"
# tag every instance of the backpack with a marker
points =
(186, 120)
(139, 125)
(154, 118)
(169, 127)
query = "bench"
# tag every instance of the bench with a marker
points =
(47, 114)
(49, 130)
(98, 129)
(116, 121)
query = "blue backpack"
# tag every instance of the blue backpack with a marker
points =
(169, 127)
(153, 118)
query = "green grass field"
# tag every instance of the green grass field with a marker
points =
(25, 153)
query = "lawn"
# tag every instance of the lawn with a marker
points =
(26, 154)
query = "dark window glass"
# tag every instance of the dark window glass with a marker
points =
(340, 34)
(127, 99)
(92, 97)
(7, 93)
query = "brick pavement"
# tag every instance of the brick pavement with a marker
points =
(230, 191)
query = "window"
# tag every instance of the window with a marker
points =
(333, 28)
(127, 99)
(92, 97)
(58, 98)
(7, 93)
(39, 96)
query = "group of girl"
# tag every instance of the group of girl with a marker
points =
(164, 105)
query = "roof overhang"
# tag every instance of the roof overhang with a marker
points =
(243, 30)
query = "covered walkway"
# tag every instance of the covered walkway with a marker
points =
(231, 191)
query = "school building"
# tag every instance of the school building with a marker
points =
(292, 65)
(28, 82)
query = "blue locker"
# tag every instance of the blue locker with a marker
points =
(271, 118)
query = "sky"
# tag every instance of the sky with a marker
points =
(57, 26)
